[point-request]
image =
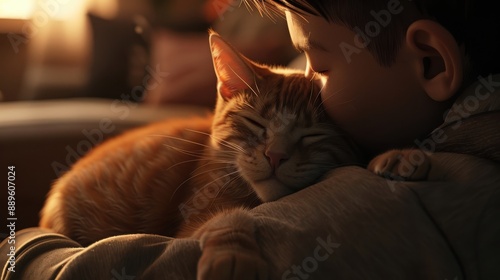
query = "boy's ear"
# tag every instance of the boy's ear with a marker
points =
(439, 58)
(233, 71)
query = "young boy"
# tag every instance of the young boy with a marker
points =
(392, 68)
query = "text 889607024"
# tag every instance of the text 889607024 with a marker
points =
(11, 217)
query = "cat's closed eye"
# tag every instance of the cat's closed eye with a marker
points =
(310, 139)
(254, 125)
(253, 122)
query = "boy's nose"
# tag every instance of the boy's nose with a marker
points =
(309, 73)
(275, 158)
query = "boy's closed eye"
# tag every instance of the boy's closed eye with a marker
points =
(319, 61)
(317, 68)
(320, 72)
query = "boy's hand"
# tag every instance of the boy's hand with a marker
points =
(408, 164)
(230, 250)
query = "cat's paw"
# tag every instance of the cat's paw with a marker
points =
(231, 256)
(408, 164)
(230, 250)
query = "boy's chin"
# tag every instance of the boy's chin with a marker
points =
(270, 189)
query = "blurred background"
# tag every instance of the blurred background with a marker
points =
(100, 48)
(76, 72)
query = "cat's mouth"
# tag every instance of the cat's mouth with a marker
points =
(271, 188)
(273, 178)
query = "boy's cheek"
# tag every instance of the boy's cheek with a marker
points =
(354, 112)
(341, 106)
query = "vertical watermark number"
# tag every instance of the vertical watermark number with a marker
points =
(11, 217)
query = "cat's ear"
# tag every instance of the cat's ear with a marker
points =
(234, 72)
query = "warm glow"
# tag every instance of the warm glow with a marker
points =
(16, 9)
(55, 9)
(103, 8)
(65, 10)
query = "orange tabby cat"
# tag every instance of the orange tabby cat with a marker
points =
(269, 137)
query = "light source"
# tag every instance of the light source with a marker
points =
(17, 9)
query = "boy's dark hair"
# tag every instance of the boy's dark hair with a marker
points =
(472, 23)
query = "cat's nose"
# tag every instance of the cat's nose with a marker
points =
(276, 158)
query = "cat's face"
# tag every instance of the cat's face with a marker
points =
(271, 127)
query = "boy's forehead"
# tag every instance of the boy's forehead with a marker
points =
(296, 30)
(313, 32)
(302, 28)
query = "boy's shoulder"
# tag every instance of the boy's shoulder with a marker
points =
(481, 96)
(471, 126)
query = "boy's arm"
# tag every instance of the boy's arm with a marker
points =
(355, 225)
(387, 230)
(41, 254)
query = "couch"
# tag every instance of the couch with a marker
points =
(43, 138)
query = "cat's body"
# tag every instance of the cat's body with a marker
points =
(113, 190)
(269, 137)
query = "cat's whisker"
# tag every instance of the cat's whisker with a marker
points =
(224, 187)
(193, 152)
(202, 157)
(313, 77)
(194, 176)
(316, 97)
(186, 152)
(213, 162)
(220, 178)
(182, 162)
(225, 143)
(320, 105)
(233, 146)
(316, 110)
(239, 77)
(311, 94)
(183, 140)
(247, 5)
(256, 85)
(249, 106)
(267, 10)
(339, 104)
(221, 157)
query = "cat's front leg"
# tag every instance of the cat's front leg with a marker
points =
(229, 249)
(407, 164)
